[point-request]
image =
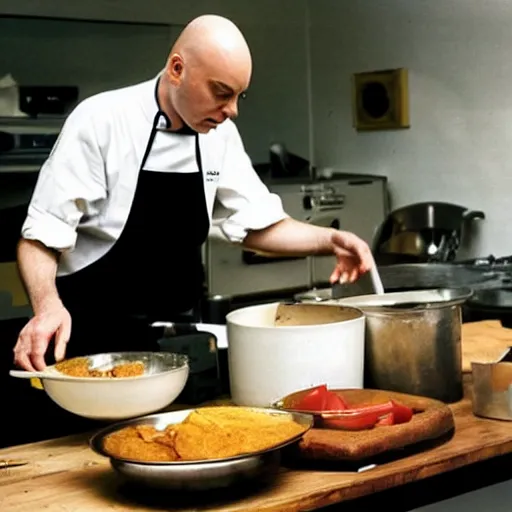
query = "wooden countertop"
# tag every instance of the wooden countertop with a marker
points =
(65, 475)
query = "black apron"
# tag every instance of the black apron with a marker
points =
(153, 272)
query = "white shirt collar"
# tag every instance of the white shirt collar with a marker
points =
(152, 108)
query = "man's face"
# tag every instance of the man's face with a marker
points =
(204, 94)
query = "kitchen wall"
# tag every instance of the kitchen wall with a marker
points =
(91, 55)
(459, 146)
(459, 72)
(276, 106)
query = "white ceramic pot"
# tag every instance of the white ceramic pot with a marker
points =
(268, 362)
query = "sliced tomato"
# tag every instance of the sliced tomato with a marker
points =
(368, 416)
(401, 413)
(314, 400)
(351, 421)
(386, 420)
(320, 399)
(334, 402)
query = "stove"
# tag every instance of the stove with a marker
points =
(496, 271)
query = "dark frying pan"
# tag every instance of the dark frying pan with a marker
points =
(491, 304)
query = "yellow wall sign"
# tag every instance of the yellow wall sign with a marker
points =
(380, 100)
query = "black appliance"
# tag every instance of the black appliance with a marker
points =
(49, 100)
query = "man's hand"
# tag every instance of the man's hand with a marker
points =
(353, 255)
(35, 337)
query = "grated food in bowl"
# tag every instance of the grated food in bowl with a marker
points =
(80, 367)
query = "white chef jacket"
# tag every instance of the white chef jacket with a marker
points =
(86, 187)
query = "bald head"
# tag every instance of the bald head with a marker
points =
(208, 69)
(213, 37)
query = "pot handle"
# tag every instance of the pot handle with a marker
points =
(469, 215)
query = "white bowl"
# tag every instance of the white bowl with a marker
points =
(112, 399)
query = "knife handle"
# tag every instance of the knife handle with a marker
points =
(12, 463)
(171, 329)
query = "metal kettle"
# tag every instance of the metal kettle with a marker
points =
(422, 233)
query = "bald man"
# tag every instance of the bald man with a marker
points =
(113, 235)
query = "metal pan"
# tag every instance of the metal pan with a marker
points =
(197, 475)
(492, 388)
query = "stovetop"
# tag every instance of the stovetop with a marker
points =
(488, 272)
(489, 261)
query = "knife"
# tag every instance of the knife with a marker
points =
(12, 463)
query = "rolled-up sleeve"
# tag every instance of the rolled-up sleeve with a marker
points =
(247, 203)
(70, 184)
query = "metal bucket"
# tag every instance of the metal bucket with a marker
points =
(413, 341)
(492, 388)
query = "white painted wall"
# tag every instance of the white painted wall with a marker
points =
(457, 53)
(459, 146)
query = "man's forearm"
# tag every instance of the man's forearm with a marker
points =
(290, 237)
(38, 267)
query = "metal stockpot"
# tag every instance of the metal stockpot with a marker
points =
(413, 341)
(422, 232)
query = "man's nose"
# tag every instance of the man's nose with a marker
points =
(231, 109)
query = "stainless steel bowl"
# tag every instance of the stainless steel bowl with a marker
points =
(197, 475)
(154, 362)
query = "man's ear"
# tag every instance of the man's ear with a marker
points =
(175, 69)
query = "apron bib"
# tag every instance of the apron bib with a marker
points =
(154, 271)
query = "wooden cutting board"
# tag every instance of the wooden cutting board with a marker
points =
(433, 421)
(483, 342)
